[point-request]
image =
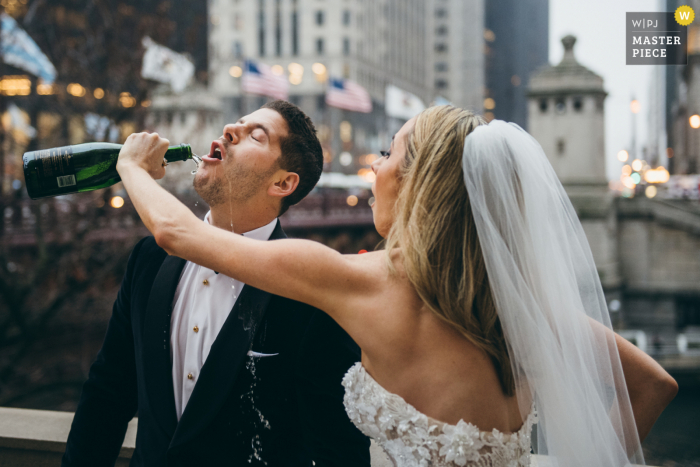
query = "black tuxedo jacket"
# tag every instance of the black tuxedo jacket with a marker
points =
(282, 410)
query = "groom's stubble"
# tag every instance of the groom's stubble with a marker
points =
(237, 184)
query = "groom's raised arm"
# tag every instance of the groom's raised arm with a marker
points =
(326, 354)
(109, 398)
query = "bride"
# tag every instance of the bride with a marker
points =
(483, 315)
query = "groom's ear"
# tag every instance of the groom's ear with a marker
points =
(284, 185)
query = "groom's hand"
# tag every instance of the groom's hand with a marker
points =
(146, 151)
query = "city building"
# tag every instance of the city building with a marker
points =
(456, 48)
(516, 35)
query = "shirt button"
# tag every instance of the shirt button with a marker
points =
(189, 376)
(205, 282)
(196, 329)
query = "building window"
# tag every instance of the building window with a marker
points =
(441, 31)
(441, 47)
(578, 103)
(346, 46)
(440, 13)
(441, 84)
(238, 49)
(561, 147)
(441, 66)
(295, 32)
(543, 105)
(261, 28)
(346, 18)
(278, 28)
(319, 17)
(319, 46)
(560, 105)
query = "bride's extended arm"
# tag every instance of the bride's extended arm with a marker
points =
(649, 386)
(302, 270)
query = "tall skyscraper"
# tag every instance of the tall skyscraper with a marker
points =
(456, 47)
(517, 35)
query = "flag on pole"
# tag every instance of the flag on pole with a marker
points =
(348, 95)
(18, 49)
(402, 104)
(166, 66)
(259, 79)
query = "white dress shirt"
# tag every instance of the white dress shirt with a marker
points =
(202, 302)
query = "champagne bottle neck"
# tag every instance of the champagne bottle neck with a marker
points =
(181, 152)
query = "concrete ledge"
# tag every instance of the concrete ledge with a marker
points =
(37, 438)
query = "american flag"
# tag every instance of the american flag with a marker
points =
(259, 79)
(348, 95)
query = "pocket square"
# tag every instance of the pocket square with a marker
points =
(258, 354)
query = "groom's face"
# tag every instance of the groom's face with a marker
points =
(242, 162)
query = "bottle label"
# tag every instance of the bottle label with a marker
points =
(55, 167)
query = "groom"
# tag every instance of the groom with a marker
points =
(219, 372)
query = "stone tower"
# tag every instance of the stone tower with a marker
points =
(565, 112)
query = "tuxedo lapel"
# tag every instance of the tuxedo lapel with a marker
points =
(156, 349)
(228, 353)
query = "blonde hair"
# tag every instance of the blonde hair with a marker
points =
(434, 229)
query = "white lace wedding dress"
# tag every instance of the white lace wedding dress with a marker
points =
(411, 438)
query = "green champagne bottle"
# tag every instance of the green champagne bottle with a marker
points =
(79, 168)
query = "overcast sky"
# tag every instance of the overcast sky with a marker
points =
(599, 26)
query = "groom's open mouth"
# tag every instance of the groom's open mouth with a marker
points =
(216, 153)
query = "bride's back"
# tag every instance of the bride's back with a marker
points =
(412, 353)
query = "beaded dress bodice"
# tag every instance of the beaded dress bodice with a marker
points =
(411, 438)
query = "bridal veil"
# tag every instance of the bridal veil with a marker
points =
(549, 300)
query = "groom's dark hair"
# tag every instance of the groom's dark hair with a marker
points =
(301, 151)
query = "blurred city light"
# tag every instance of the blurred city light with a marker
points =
(368, 159)
(628, 182)
(277, 69)
(636, 178)
(318, 68)
(637, 165)
(99, 93)
(669, 152)
(345, 131)
(635, 106)
(126, 100)
(370, 201)
(345, 159)
(489, 35)
(623, 155)
(44, 89)
(235, 71)
(15, 85)
(695, 121)
(628, 192)
(296, 73)
(489, 103)
(651, 191)
(367, 174)
(146, 103)
(658, 175)
(352, 200)
(626, 170)
(75, 89)
(116, 202)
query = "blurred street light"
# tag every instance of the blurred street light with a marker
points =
(489, 103)
(15, 85)
(636, 178)
(635, 106)
(352, 200)
(623, 155)
(651, 191)
(345, 159)
(627, 170)
(637, 165)
(695, 121)
(658, 175)
(117, 202)
(235, 71)
(75, 89)
(99, 93)
(45, 89)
